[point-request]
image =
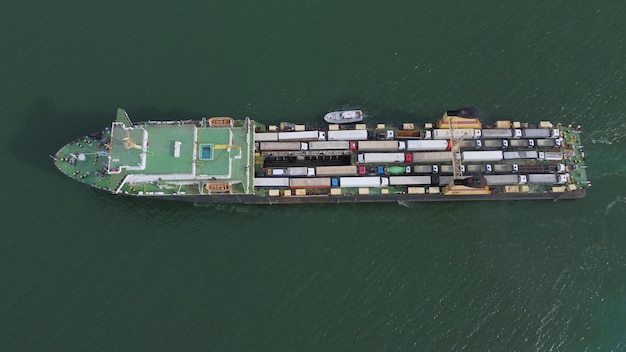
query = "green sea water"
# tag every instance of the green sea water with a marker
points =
(81, 270)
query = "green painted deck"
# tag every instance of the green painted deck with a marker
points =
(151, 152)
(160, 157)
(121, 157)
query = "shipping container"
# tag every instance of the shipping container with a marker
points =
(500, 180)
(552, 156)
(302, 136)
(419, 145)
(444, 180)
(366, 181)
(496, 143)
(380, 158)
(475, 168)
(367, 146)
(537, 133)
(283, 146)
(542, 178)
(410, 134)
(531, 154)
(276, 172)
(271, 182)
(497, 133)
(549, 143)
(431, 157)
(347, 135)
(423, 169)
(329, 145)
(506, 168)
(300, 171)
(458, 133)
(519, 143)
(446, 169)
(471, 144)
(313, 182)
(484, 155)
(266, 136)
(409, 180)
(346, 170)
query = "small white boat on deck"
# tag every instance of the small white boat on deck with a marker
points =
(346, 116)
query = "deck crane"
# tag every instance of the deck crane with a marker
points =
(455, 147)
(460, 184)
(129, 143)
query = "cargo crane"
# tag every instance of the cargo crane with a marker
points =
(475, 184)
(455, 148)
(129, 143)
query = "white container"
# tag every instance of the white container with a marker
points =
(497, 133)
(380, 158)
(271, 182)
(347, 135)
(483, 155)
(531, 154)
(368, 181)
(301, 136)
(419, 145)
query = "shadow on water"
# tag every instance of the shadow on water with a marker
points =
(41, 129)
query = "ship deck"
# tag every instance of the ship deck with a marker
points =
(176, 154)
(244, 162)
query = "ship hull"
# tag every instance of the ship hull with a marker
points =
(389, 198)
(222, 160)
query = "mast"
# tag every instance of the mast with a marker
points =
(455, 147)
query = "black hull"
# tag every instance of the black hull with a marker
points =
(390, 198)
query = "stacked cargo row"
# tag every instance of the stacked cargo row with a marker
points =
(410, 145)
(379, 181)
(436, 134)
(485, 155)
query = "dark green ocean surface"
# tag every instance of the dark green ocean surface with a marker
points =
(81, 270)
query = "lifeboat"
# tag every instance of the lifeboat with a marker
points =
(217, 187)
(221, 121)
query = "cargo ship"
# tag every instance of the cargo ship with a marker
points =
(224, 160)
